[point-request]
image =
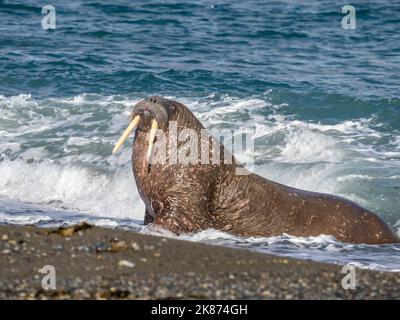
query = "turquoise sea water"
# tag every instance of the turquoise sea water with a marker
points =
(323, 103)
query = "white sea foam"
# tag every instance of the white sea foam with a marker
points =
(354, 176)
(304, 146)
(80, 188)
(23, 219)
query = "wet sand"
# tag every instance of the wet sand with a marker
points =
(98, 263)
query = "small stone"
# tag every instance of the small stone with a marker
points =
(4, 237)
(126, 263)
(135, 246)
(68, 232)
(118, 246)
(157, 254)
(6, 251)
(58, 247)
(102, 295)
(266, 293)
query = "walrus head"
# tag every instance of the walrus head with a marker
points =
(155, 113)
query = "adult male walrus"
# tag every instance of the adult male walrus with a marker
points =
(188, 197)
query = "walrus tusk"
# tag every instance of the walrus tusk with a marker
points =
(126, 133)
(153, 131)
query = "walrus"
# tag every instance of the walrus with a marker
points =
(189, 197)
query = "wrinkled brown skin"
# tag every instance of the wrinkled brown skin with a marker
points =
(189, 198)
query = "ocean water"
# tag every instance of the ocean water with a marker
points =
(322, 102)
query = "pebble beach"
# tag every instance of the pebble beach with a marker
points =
(101, 263)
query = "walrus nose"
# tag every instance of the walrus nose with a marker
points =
(146, 113)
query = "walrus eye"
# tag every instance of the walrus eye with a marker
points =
(153, 131)
(126, 133)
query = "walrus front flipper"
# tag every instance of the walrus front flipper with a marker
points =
(148, 217)
(184, 211)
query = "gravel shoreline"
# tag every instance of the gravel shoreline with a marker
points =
(99, 263)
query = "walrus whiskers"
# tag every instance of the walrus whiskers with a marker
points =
(152, 135)
(126, 133)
